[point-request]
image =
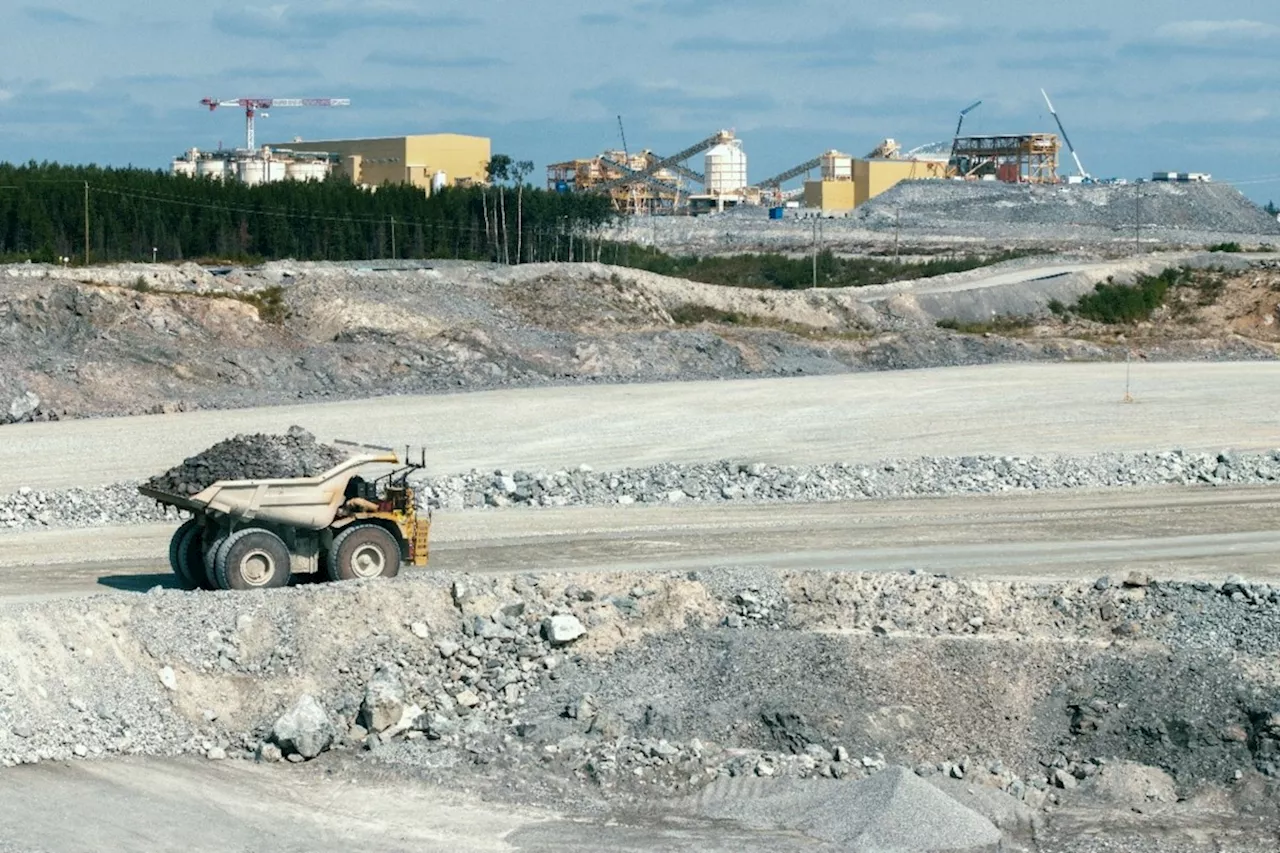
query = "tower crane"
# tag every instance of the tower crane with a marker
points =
(252, 106)
(1084, 176)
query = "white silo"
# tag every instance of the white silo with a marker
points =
(438, 182)
(252, 171)
(212, 167)
(726, 166)
(308, 170)
(183, 166)
(277, 170)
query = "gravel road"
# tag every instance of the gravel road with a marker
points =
(998, 409)
(1172, 533)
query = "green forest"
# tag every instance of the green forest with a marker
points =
(132, 212)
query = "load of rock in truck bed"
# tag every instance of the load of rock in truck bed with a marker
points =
(258, 456)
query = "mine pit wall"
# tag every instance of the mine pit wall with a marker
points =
(908, 669)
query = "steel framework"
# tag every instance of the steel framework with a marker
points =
(1016, 158)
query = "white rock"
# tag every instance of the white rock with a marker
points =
(168, 678)
(420, 630)
(559, 630)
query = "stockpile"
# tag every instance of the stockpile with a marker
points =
(717, 482)
(992, 208)
(260, 456)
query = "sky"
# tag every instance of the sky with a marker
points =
(1170, 85)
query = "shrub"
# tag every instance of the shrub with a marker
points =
(1225, 247)
(1120, 303)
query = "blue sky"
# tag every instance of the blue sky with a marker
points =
(1163, 84)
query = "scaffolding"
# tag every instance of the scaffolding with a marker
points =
(1030, 158)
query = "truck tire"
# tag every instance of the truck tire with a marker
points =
(252, 558)
(185, 555)
(363, 551)
(211, 543)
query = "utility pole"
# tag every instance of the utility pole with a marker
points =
(815, 251)
(393, 237)
(86, 223)
(1137, 217)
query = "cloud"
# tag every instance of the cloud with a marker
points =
(283, 22)
(395, 59)
(628, 96)
(600, 19)
(50, 15)
(1070, 35)
(1216, 32)
(419, 98)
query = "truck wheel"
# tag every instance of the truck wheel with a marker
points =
(363, 551)
(211, 543)
(185, 555)
(181, 552)
(252, 558)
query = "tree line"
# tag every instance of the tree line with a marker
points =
(137, 214)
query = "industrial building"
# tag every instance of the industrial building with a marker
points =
(428, 162)
(261, 167)
(848, 182)
(425, 161)
(647, 183)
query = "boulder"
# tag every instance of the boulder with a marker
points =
(559, 630)
(304, 730)
(383, 703)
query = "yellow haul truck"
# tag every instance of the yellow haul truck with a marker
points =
(257, 534)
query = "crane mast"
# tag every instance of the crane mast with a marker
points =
(1074, 156)
(252, 106)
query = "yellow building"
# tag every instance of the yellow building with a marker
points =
(870, 179)
(413, 160)
(831, 196)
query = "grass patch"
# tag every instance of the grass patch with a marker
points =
(780, 272)
(692, 315)
(270, 304)
(994, 326)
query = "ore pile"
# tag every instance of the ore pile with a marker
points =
(260, 456)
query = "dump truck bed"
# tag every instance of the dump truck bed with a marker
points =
(309, 503)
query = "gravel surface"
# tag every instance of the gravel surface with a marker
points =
(251, 457)
(721, 482)
(616, 690)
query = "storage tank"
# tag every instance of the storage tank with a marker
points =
(307, 170)
(439, 181)
(837, 166)
(252, 172)
(212, 167)
(726, 166)
(184, 167)
(276, 170)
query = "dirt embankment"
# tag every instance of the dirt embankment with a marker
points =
(185, 338)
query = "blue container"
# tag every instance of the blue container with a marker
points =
(776, 212)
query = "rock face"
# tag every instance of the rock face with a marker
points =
(251, 457)
(305, 729)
